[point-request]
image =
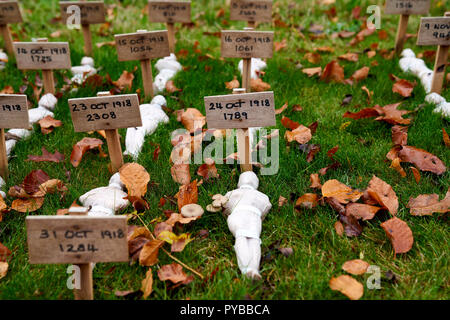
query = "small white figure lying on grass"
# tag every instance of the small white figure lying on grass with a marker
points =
(80, 73)
(3, 59)
(246, 208)
(168, 67)
(442, 106)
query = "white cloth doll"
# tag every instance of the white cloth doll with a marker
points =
(152, 115)
(168, 67)
(257, 66)
(106, 201)
(246, 209)
(80, 73)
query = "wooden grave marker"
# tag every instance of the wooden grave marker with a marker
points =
(92, 12)
(77, 239)
(143, 45)
(405, 8)
(109, 113)
(251, 11)
(45, 56)
(170, 12)
(13, 115)
(241, 111)
(9, 13)
(246, 44)
(436, 32)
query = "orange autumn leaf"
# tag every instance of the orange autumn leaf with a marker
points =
(173, 272)
(147, 284)
(416, 174)
(289, 124)
(361, 210)
(188, 194)
(403, 87)
(347, 286)
(280, 45)
(315, 181)
(422, 159)
(81, 147)
(342, 193)
(135, 178)
(233, 84)
(356, 267)
(27, 205)
(258, 85)
(149, 253)
(300, 134)
(383, 194)
(208, 170)
(360, 74)
(427, 204)
(280, 110)
(397, 166)
(333, 72)
(192, 119)
(352, 57)
(307, 201)
(125, 81)
(171, 88)
(312, 71)
(399, 233)
(399, 135)
(391, 114)
(339, 228)
(445, 137)
(313, 57)
(282, 201)
(48, 124)
(180, 173)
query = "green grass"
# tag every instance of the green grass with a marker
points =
(319, 253)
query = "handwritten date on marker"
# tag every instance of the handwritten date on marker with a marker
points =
(169, 11)
(42, 55)
(247, 44)
(142, 45)
(240, 111)
(104, 113)
(10, 12)
(434, 32)
(407, 7)
(247, 10)
(13, 111)
(76, 239)
(92, 12)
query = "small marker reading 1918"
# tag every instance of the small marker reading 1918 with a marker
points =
(251, 11)
(109, 113)
(91, 12)
(435, 31)
(13, 114)
(9, 13)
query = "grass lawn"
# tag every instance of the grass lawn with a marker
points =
(422, 273)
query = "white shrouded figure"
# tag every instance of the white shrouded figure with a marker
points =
(2, 184)
(46, 105)
(442, 106)
(152, 115)
(3, 59)
(257, 66)
(246, 209)
(80, 73)
(409, 63)
(106, 201)
(168, 67)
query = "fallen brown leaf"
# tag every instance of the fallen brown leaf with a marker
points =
(180, 173)
(147, 284)
(399, 135)
(339, 191)
(333, 72)
(352, 57)
(383, 193)
(307, 201)
(347, 286)
(149, 253)
(315, 181)
(47, 156)
(233, 84)
(422, 159)
(173, 272)
(312, 71)
(301, 134)
(135, 178)
(427, 204)
(280, 110)
(188, 194)
(355, 267)
(81, 147)
(258, 85)
(27, 205)
(208, 170)
(361, 211)
(48, 124)
(399, 233)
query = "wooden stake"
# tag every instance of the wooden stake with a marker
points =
(4, 29)
(439, 66)
(87, 39)
(113, 141)
(171, 31)
(401, 33)
(4, 172)
(243, 140)
(252, 24)
(147, 74)
(47, 76)
(86, 291)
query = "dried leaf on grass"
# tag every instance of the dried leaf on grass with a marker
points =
(258, 85)
(399, 233)
(355, 267)
(82, 146)
(188, 194)
(135, 178)
(383, 194)
(361, 210)
(344, 194)
(149, 253)
(27, 205)
(147, 284)
(180, 173)
(307, 201)
(47, 156)
(48, 124)
(301, 134)
(427, 204)
(347, 286)
(174, 272)
(333, 72)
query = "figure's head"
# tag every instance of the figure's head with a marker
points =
(249, 179)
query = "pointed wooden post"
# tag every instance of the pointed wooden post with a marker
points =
(243, 141)
(147, 73)
(4, 29)
(401, 33)
(4, 172)
(170, 12)
(113, 141)
(47, 76)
